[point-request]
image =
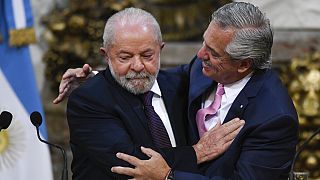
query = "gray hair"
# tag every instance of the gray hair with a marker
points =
(253, 37)
(130, 16)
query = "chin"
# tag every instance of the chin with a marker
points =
(207, 72)
(138, 86)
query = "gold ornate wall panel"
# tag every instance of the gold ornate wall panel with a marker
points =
(181, 19)
(74, 33)
(302, 78)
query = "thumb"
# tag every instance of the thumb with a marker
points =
(149, 152)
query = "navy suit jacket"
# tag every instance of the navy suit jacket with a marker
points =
(265, 147)
(104, 119)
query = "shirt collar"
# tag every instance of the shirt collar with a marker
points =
(156, 89)
(234, 89)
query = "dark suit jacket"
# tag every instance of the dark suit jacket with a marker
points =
(265, 147)
(105, 119)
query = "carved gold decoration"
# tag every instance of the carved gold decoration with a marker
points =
(74, 33)
(181, 19)
(19, 37)
(302, 78)
(4, 141)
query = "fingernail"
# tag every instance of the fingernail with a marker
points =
(118, 154)
(112, 169)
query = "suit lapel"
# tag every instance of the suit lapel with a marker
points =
(198, 85)
(168, 95)
(133, 101)
(250, 90)
(137, 106)
(237, 107)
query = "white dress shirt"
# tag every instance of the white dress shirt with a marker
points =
(231, 92)
(160, 109)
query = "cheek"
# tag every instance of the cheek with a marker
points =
(120, 68)
(152, 66)
(216, 66)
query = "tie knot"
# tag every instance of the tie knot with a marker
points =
(220, 89)
(147, 98)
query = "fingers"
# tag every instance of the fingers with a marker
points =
(83, 72)
(65, 84)
(230, 137)
(232, 122)
(63, 92)
(70, 81)
(77, 72)
(123, 170)
(57, 100)
(86, 68)
(232, 125)
(226, 145)
(70, 73)
(149, 152)
(235, 125)
(225, 132)
(62, 95)
(130, 159)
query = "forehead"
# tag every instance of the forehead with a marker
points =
(133, 38)
(135, 32)
(216, 36)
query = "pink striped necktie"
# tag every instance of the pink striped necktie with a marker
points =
(204, 113)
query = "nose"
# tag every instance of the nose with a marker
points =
(202, 54)
(137, 65)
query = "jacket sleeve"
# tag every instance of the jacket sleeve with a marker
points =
(182, 158)
(266, 153)
(98, 134)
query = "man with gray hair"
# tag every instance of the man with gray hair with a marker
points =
(236, 81)
(133, 104)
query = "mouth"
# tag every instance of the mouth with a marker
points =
(206, 64)
(137, 78)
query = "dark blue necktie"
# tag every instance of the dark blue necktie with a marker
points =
(159, 133)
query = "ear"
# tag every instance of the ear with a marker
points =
(103, 52)
(162, 45)
(244, 65)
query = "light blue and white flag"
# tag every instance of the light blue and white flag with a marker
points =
(22, 155)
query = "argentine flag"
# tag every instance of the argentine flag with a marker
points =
(22, 155)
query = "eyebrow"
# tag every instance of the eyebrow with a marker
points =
(123, 53)
(147, 51)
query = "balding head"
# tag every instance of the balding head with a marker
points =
(130, 17)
